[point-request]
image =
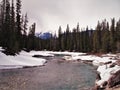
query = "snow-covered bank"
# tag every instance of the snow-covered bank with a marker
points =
(67, 53)
(22, 60)
(108, 70)
(96, 60)
(106, 73)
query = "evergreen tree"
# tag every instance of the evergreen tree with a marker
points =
(67, 39)
(63, 41)
(78, 38)
(31, 38)
(12, 45)
(118, 36)
(24, 29)
(6, 24)
(87, 43)
(18, 23)
(60, 37)
(105, 37)
(74, 38)
(25, 24)
(2, 21)
(91, 40)
(97, 38)
(112, 36)
(81, 41)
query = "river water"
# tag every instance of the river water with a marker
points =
(55, 75)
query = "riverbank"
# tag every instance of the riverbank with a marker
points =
(109, 74)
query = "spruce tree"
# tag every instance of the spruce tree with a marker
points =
(105, 37)
(81, 41)
(118, 36)
(18, 23)
(87, 44)
(74, 38)
(112, 36)
(7, 26)
(31, 38)
(12, 33)
(24, 29)
(2, 21)
(60, 37)
(97, 38)
(67, 39)
(78, 38)
(25, 24)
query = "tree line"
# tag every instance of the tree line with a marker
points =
(14, 37)
(104, 39)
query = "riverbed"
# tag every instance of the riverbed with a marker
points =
(55, 75)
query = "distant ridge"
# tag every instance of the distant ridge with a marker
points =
(46, 35)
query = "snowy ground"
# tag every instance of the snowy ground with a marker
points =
(19, 61)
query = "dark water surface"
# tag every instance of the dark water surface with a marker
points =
(55, 75)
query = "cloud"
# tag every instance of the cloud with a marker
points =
(49, 14)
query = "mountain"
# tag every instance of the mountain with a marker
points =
(46, 35)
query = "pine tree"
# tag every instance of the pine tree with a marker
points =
(25, 24)
(60, 37)
(105, 37)
(112, 36)
(7, 25)
(24, 31)
(84, 40)
(18, 23)
(87, 43)
(2, 21)
(12, 45)
(74, 38)
(31, 38)
(118, 36)
(63, 41)
(78, 38)
(97, 38)
(91, 40)
(81, 41)
(67, 38)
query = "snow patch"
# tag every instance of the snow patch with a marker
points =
(19, 61)
(106, 72)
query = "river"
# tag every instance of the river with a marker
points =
(55, 75)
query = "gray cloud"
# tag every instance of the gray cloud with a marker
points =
(49, 14)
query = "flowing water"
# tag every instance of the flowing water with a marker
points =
(55, 75)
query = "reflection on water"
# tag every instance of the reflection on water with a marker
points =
(54, 76)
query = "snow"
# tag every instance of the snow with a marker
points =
(42, 53)
(19, 61)
(101, 60)
(85, 57)
(106, 72)
(109, 55)
(94, 59)
(67, 53)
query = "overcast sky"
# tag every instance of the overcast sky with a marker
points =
(50, 14)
